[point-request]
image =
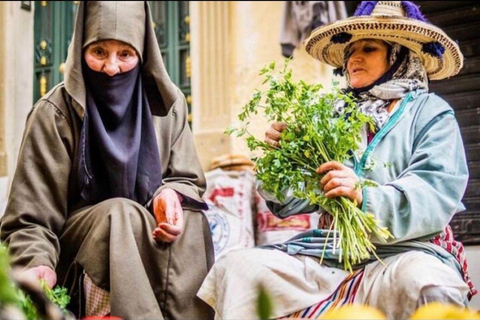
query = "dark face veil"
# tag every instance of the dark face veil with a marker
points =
(126, 21)
(118, 154)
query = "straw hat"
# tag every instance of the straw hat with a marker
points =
(231, 162)
(395, 21)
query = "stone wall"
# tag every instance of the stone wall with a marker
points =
(16, 85)
(250, 41)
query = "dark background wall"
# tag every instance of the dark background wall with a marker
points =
(461, 21)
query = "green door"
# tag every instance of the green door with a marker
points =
(54, 27)
(171, 21)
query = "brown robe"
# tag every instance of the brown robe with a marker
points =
(111, 240)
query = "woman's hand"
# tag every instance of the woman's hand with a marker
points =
(169, 215)
(274, 132)
(43, 272)
(339, 181)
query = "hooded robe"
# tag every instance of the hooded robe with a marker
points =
(45, 221)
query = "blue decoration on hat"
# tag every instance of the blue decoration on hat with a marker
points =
(435, 49)
(341, 37)
(413, 11)
(365, 8)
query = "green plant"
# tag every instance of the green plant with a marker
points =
(10, 294)
(316, 133)
(8, 291)
(264, 304)
(57, 295)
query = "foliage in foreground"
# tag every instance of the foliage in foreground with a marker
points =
(10, 294)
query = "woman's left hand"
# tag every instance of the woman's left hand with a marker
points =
(340, 180)
(169, 215)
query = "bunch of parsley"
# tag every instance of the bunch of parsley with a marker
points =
(57, 296)
(316, 133)
(10, 294)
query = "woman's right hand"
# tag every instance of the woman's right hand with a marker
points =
(169, 215)
(274, 132)
(43, 272)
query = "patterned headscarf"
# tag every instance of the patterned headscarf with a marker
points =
(406, 74)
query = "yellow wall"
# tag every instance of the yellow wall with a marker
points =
(231, 42)
(255, 33)
(3, 154)
(16, 86)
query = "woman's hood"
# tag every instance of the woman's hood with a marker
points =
(130, 22)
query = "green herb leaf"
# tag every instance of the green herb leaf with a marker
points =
(11, 294)
(317, 132)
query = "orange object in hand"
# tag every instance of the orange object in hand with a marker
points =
(160, 211)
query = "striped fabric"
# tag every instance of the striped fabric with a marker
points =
(347, 291)
(444, 240)
(344, 294)
(447, 242)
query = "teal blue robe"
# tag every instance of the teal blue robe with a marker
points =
(419, 191)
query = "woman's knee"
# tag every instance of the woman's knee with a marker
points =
(234, 257)
(418, 272)
(242, 261)
(411, 266)
(444, 294)
(122, 209)
(237, 261)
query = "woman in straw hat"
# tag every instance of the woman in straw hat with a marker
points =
(388, 53)
(108, 185)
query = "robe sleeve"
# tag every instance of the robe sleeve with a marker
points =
(288, 206)
(423, 199)
(184, 173)
(37, 206)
